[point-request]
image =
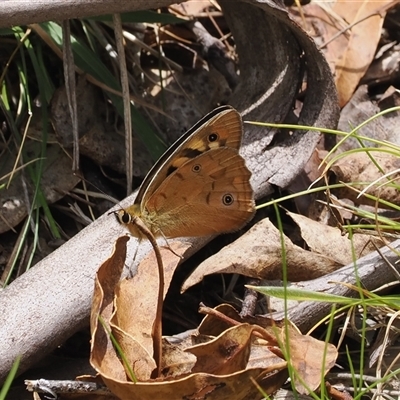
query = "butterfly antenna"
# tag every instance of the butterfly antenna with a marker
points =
(86, 182)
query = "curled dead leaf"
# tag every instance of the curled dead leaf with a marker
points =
(363, 38)
(190, 374)
(258, 254)
(220, 367)
(311, 359)
(230, 351)
(327, 240)
(357, 167)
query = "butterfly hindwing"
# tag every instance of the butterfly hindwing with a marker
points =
(208, 194)
(220, 128)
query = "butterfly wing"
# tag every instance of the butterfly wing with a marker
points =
(208, 194)
(220, 128)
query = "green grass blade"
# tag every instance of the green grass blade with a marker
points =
(119, 350)
(10, 377)
(301, 294)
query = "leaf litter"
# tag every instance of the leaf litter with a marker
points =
(240, 350)
(316, 260)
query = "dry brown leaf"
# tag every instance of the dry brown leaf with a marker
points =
(327, 240)
(230, 351)
(357, 167)
(322, 25)
(135, 309)
(236, 386)
(260, 355)
(136, 355)
(352, 50)
(307, 355)
(111, 301)
(102, 356)
(200, 385)
(282, 41)
(213, 326)
(218, 368)
(258, 254)
(176, 362)
(129, 307)
(361, 46)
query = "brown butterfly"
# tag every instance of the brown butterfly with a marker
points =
(200, 186)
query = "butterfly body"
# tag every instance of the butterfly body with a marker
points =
(200, 186)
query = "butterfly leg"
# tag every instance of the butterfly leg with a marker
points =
(170, 248)
(131, 274)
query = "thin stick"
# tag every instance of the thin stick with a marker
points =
(53, 387)
(70, 87)
(127, 102)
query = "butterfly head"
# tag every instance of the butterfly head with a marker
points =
(123, 217)
(130, 219)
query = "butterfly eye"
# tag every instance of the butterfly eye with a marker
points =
(125, 218)
(213, 137)
(227, 199)
(196, 168)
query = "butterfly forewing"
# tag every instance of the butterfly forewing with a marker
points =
(208, 194)
(220, 128)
